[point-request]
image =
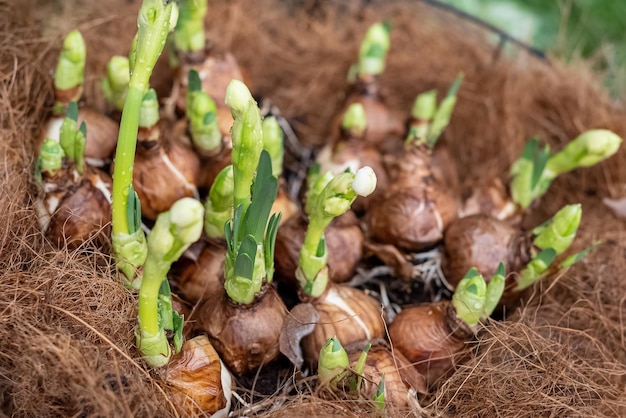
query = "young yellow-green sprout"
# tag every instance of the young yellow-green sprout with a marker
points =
(329, 197)
(173, 232)
(551, 239)
(72, 138)
(70, 71)
(379, 396)
(474, 299)
(250, 237)
(373, 50)
(115, 84)
(356, 380)
(202, 116)
(533, 173)
(333, 363)
(273, 144)
(218, 209)
(189, 33)
(50, 158)
(153, 26)
(428, 119)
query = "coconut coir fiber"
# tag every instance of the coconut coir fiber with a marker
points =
(66, 324)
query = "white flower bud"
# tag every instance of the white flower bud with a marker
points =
(186, 216)
(364, 181)
(237, 96)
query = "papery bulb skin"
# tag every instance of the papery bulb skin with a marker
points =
(347, 313)
(430, 336)
(382, 124)
(493, 199)
(102, 133)
(482, 242)
(216, 70)
(402, 380)
(284, 204)
(344, 240)
(76, 209)
(246, 336)
(165, 171)
(203, 277)
(198, 382)
(412, 219)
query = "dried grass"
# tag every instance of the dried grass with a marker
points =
(66, 337)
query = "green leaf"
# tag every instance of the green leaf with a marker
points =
(244, 263)
(575, 258)
(530, 149)
(179, 322)
(228, 234)
(387, 26)
(501, 271)
(83, 129)
(133, 211)
(209, 118)
(165, 305)
(269, 245)
(264, 192)
(321, 247)
(376, 51)
(539, 164)
(546, 256)
(473, 272)
(237, 229)
(195, 84)
(72, 111)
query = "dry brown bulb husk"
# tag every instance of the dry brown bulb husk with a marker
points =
(344, 240)
(431, 337)
(75, 208)
(415, 210)
(491, 198)
(245, 335)
(199, 275)
(482, 241)
(402, 381)
(216, 69)
(165, 169)
(101, 135)
(199, 384)
(284, 203)
(345, 312)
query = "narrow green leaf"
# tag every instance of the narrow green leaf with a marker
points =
(209, 118)
(83, 129)
(165, 305)
(321, 247)
(179, 322)
(195, 84)
(264, 192)
(530, 149)
(575, 258)
(473, 272)
(546, 256)
(269, 245)
(237, 229)
(72, 111)
(244, 264)
(501, 271)
(133, 211)
(539, 164)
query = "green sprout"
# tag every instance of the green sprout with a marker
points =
(333, 363)
(373, 51)
(354, 120)
(189, 33)
(218, 209)
(72, 138)
(429, 120)
(202, 116)
(533, 173)
(70, 70)
(115, 84)
(329, 197)
(50, 158)
(174, 231)
(474, 299)
(250, 237)
(552, 238)
(356, 379)
(273, 144)
(379, 396)
(153, 26)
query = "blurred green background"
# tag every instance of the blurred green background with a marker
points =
(569, 29)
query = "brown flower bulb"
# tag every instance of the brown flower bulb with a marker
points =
(101, 138)
(430, 336)
(165, 171)
(415, 210)
(74, 208)
(347, 313)
(198, 382)
(402, 381)
(483, 242)
(344, 241)
(246, 336)
(202, 277)
(493, 199)
(382, 123)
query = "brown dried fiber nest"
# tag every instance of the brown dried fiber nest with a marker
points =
(66, 324)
